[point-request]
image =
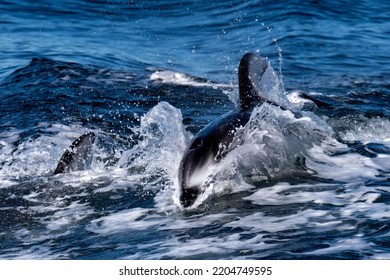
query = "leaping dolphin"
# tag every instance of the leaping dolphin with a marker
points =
(214, 141)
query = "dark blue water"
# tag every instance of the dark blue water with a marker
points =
(145, 76)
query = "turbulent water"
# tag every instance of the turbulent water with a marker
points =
(145, 76)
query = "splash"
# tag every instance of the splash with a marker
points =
(162, 141)
(156, 156)
(361, 128)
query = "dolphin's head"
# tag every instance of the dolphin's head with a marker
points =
(194, 170)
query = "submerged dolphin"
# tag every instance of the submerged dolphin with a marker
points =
(78, 156)
(214, 141)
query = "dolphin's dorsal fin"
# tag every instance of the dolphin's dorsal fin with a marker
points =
(250, 72)
(78, 156)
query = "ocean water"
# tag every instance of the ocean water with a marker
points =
(145, 76)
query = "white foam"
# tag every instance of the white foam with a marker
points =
(348, 167)
(333, 194)
(343, 245)
(227, 245)
(132, 219)
(35, 252)
(177, 78)
(9, 136)
(197, 221)
(259, 222)
(359, 128)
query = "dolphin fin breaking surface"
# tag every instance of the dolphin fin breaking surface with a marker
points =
(78, 157)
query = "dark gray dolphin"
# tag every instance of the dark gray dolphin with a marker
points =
(214, 141)
(78, 156)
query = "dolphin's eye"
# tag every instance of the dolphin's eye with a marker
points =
(196, 144)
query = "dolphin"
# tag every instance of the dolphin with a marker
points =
(214, 141)
(78, 156)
